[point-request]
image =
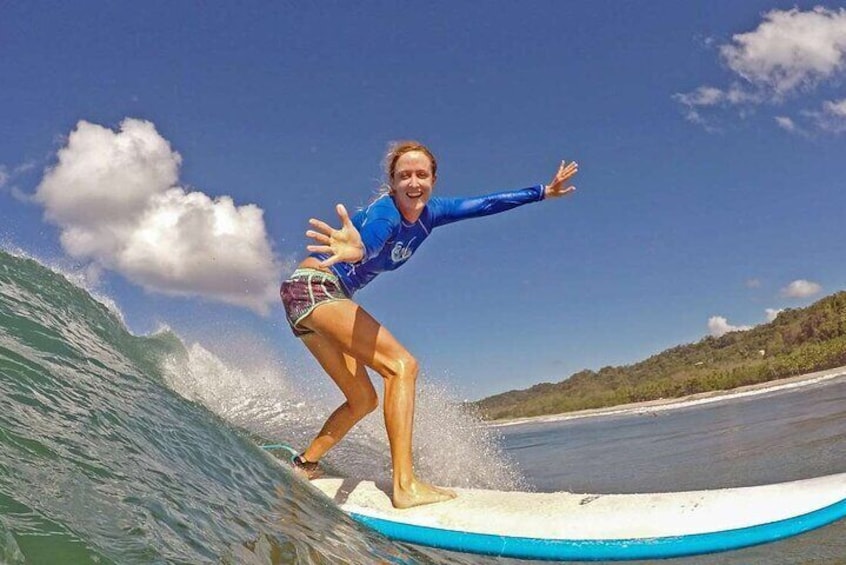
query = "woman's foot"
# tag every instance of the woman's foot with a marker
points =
(306, 469)
(418, 494)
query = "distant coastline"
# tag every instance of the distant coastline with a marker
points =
(799, 345)
(664, 404)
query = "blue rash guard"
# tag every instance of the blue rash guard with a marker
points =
(389, 240)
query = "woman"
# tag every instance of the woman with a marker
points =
(344, 338)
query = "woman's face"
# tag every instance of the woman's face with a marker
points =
(411, 185)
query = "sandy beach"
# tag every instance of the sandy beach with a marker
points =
(664, 404)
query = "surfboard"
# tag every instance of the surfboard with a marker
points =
(591, 527)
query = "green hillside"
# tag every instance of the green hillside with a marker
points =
(798, 341)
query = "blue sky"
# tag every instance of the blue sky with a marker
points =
(171, 154)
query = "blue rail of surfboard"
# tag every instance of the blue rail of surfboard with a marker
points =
(610, 549)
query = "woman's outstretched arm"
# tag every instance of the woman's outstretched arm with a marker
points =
(448, 210)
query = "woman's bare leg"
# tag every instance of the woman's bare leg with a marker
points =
(353, 380)
(349, 328)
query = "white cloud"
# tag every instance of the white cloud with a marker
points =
(25, 167)
(718, 326)
(832, 117)
(836, 108)
(753, 283)
(702, 96)
(786, 123)
(801, 289)
(20, 195)
(772, 313)
(791, 51)
(9, 177)
(115, 196)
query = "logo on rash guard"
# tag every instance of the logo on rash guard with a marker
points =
(401, 251)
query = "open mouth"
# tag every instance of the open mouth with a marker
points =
(414, 195)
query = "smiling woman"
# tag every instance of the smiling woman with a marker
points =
(416, 175)
(344, 338)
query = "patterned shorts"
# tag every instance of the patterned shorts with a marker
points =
(303, 291)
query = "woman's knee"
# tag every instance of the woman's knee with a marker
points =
(365, 403)
(402, 365)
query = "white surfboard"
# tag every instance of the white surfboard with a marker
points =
(568, 526)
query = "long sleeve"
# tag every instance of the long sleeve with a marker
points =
(374, 234)
(447, 210)
(376, 224)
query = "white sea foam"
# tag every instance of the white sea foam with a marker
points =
(257, 398)
(450, 445)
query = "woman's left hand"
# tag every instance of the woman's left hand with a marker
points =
(559, 187)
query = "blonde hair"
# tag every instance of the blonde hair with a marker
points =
(397, 149)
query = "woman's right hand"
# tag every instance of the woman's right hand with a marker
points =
(343, 245)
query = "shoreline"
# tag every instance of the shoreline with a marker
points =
(665, 404)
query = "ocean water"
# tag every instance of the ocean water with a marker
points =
(117, 448)
(771, 437)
